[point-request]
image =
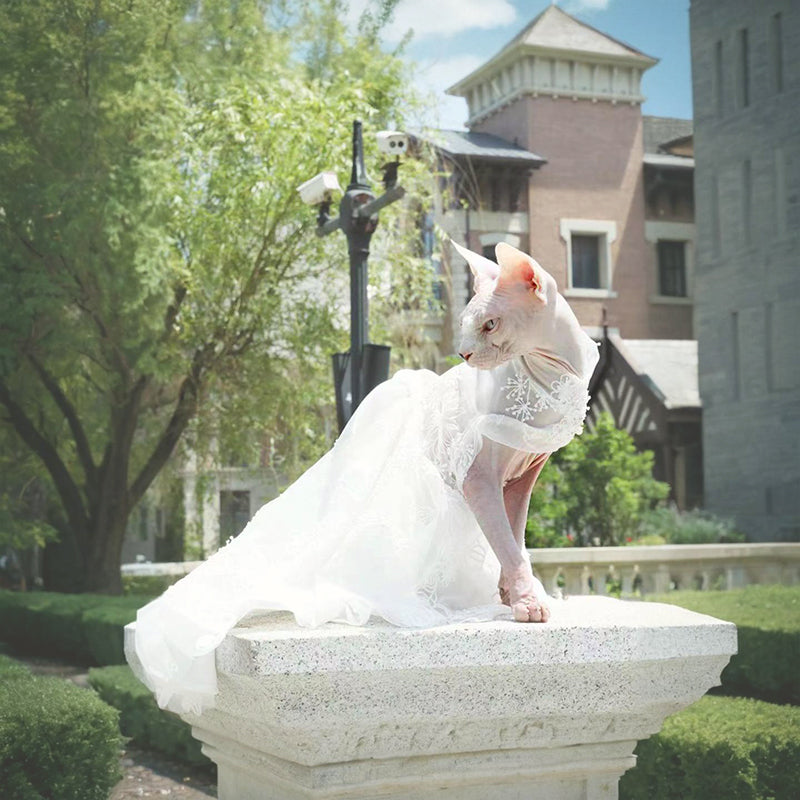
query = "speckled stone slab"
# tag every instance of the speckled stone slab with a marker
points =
(470, 711)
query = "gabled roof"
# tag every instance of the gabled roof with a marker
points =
(668, 365)
(479, 145)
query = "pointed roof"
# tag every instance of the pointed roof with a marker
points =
(558, 36)
(554, 28)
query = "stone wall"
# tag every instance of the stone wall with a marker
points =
(747, 277)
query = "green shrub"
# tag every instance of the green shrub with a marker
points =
(151, 585)
(11, 670)
(44, 623)
(729, 747)
(57, 741)
(142, 720)
(80, 628)
(687, 527)
(104, 630)
(768, 621)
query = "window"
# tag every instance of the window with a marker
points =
(672, 268)
(747, 200)
(516, 202)
(588, 245)
(744, 69)
(428, 253)
(716, 235)
(585, 261)
(673, 260)
(234, 513)
(736, 377)
(776, 52)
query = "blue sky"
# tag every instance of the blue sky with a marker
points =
(453, 37)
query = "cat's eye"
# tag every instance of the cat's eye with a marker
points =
(490, 325)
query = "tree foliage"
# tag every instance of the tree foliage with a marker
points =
(157, 270)
(596, 490)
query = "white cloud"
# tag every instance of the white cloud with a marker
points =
(434, 77)
(442, 17)
(442, 74)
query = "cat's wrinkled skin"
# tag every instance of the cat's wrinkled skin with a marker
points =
(516, 312)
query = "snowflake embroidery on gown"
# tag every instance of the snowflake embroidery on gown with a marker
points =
(379, 526)
(567, 396)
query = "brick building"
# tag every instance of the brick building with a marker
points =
(560, 162)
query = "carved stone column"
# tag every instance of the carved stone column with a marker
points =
(464, 712)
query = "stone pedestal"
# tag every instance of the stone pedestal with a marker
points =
(489, 711)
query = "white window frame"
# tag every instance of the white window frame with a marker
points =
(606, 230)
(488, 239)
(677, 232)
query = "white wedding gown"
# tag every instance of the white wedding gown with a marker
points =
(378, 526)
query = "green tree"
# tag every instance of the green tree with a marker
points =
(157, 270)
(596, 490)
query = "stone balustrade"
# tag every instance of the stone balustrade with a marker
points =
(495, 710)
(661, 568)
(647, 570)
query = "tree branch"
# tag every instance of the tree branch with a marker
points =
(68, 410)
(184, 411)
(178, 295)
(65, 486)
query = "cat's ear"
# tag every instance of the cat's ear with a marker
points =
(517, 267)
(483, 270)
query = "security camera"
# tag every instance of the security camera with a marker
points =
(393, 143)
(319, 189)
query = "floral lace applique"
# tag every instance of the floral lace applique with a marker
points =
(519, 393)
(567, 396)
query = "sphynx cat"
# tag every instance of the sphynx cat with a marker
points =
(516, 312)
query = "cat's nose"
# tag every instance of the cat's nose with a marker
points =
(465, 356)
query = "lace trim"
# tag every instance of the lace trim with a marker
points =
(567, 396)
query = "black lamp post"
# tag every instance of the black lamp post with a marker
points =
(366, 365)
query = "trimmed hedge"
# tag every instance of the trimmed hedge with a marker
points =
(150, 585)
(768, 621)
(57, 741)
(730, 747)
(142, 720)
(11, 670)
(81, 628)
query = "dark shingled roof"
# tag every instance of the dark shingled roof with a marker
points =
(479, 145)
(657, 131)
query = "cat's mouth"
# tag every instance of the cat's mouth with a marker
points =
(487, 363)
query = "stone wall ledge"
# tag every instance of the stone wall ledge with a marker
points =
(470, 711)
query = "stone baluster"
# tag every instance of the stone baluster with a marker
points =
(687, 578)
(572, 580)
(586, 573)
(629, 575)
(601, 575)
(735, 576)
(548, 575)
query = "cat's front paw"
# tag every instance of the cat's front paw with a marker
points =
(524, 599)
(502, 587)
